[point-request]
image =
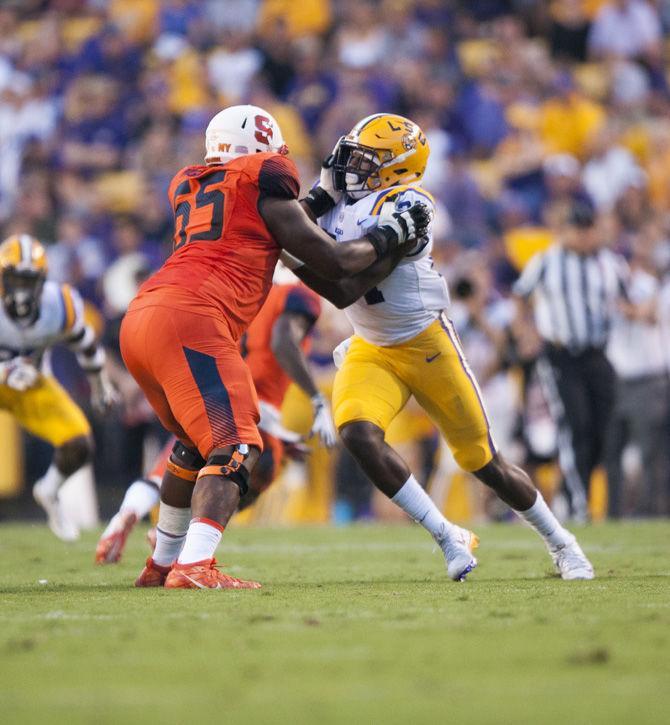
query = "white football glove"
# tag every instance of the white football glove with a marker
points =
(104, 396)
(326, 181)
(323, 421)
(270, 422)
(323, 197)
(19, 374)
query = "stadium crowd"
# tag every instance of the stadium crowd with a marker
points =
(528, 106)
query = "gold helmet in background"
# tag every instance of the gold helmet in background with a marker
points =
(382, 150)
(23, 270)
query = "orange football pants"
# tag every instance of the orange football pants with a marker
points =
(193, 376)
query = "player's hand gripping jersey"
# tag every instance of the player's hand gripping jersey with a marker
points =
(224, 255)
(414, 294)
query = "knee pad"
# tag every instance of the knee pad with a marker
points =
(185, 462)
(230, 467)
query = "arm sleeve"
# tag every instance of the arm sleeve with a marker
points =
(73, 311)
(301, 301)
(530, 277)
(81, 337)
(278, 177)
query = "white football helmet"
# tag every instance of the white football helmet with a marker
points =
(241, 130)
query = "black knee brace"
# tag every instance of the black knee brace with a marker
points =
(187, 457)
(230, 467)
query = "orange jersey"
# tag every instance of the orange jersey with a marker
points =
(224, 255)
(269, 378)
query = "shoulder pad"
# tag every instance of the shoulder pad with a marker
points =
(406, 193)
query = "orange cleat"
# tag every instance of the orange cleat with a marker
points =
(110, 548)
(153, 575)
(204, 575)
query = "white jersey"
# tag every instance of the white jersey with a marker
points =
(413, 295)
(61, 317)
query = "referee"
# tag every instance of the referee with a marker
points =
(574, 289)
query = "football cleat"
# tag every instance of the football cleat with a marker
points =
(457, 548)
(571, 562)
(110, 547)
(59, 523)
(153, 575)
(204, 575)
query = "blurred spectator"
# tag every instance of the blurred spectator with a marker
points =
(636, 349)
(610, 170)
(361, 40)
(626, 29)
(568, 120)
(235, 52)
(93, 134)
(76, 257)
(121, 279)
(569, 30)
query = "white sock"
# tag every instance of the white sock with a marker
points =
(140, 498)
(170, 533)
(201, 541)
(51, 481)
(540, 518)
(417, 503)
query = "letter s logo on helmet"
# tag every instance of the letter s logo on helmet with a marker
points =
(241, 130)
(382, 150)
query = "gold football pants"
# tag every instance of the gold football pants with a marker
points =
(374, 384)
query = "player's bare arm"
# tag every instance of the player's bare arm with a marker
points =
(344, 292)
(288, 332)
(295, 232)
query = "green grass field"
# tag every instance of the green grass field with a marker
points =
(355, 625)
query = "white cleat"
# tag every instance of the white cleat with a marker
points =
(571, 562)
(58, 522)
(457, 548)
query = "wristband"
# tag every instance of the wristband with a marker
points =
(319, 201)
(383, 239)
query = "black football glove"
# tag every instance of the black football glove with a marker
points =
(398, 228)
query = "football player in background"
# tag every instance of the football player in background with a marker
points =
(35, 315)
(180, 337)
(404, 344)
(274, 347)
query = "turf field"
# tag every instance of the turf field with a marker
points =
(356, 625)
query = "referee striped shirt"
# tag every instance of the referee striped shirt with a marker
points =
(575, 295)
